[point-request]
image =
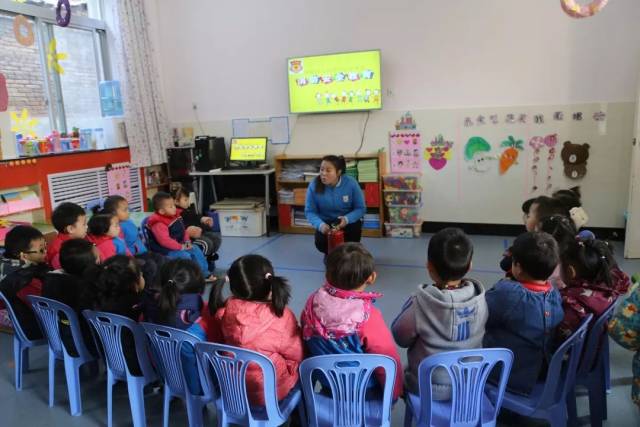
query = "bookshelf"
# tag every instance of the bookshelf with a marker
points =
(286, 208)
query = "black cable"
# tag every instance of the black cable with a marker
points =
(364, 130)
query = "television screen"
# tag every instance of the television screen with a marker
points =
(248, 150)
(337, 82)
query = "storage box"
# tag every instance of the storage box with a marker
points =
(242, 222)
(406, 231)
(401, 182)
(404, 214)
(402, 197)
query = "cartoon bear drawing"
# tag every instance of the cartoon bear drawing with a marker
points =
(574, 157)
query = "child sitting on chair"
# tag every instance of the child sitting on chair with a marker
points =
(524, 311)
(128, 230)
(199, 227)
(104, 229)
(70, 220)
(168, 235)
(22, 270)
(340, 317)
(446, 316)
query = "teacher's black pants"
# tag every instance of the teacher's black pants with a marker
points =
(352, 233)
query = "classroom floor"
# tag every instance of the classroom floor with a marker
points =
(400, 265)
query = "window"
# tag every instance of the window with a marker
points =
(56, 79)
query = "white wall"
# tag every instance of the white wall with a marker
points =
(439, 60)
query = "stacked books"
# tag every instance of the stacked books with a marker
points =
(371, 221)
(368, 170)
(299, 218)
(352, 169)
(286, 197)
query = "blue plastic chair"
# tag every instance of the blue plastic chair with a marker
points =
(469, 404)
(21, 344)
(230, 389)
(167, 344)
(347, 376)
(109, 329)
(548, 399)
(47, 312)
(592, 372)
(143, 231)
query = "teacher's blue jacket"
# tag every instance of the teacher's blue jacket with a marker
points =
(345, 199)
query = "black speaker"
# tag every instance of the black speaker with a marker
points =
(209, 153)
(180, 162)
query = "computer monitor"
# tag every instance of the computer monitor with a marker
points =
(248, 150)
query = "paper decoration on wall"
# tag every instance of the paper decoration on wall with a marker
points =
(406, 122)
(4, 94)
(54, 58)
(538, 143)
(63, 18)
(23, 31)
(480, 120)
(522, 119)
(438, 153)
(574, 157)
(538, 119)
(510, 119)
(598, 116)
(23, 124)
(405, 148)
(575, 10)
(478, 151)
(577, 116)
(468, 122)
(119, 181)
(509, 156)
(558, 116)
(494, 119)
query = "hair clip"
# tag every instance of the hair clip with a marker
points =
(268, 276)
(585, 235)
(171, 282)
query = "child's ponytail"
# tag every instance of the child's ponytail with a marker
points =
(177, 277)
(280, 293)
(251, 278)
(591, 259)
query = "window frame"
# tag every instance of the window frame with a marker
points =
(44, 20)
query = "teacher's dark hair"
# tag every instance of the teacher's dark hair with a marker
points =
(338, 162)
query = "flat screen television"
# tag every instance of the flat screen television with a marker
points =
(336, 82)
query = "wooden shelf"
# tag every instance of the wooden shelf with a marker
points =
(283, 183)
(152, 186)
(21, 212)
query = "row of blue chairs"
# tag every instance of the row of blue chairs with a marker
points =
(222, 371)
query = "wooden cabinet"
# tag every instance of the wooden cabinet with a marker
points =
(296, 188)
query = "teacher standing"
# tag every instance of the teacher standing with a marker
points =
(334, 199)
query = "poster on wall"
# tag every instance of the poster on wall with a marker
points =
(119, 181)
(405, 149)
(438, 153)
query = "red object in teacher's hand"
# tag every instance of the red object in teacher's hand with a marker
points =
(334, 239)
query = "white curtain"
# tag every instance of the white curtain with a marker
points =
(145, 119)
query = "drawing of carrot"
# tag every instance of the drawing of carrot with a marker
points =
(509, 156)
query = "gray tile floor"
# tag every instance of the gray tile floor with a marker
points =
(400, 265)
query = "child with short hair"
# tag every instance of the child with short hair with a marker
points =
(22, 270)
(200, 227)
(77, 256)
(524, 311)
(104, 229)
(256, 317)
(128, 230)
(340, 316)
(116, 287)
(448, 315)
(592, 280)
(70, 220)
(168, 235)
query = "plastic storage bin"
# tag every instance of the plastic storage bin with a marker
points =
(401, 182)
(406, 231)
(402, 197)
(404, 214)
(242, 222)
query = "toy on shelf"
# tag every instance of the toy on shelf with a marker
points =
(403, 198)
(401, 182)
